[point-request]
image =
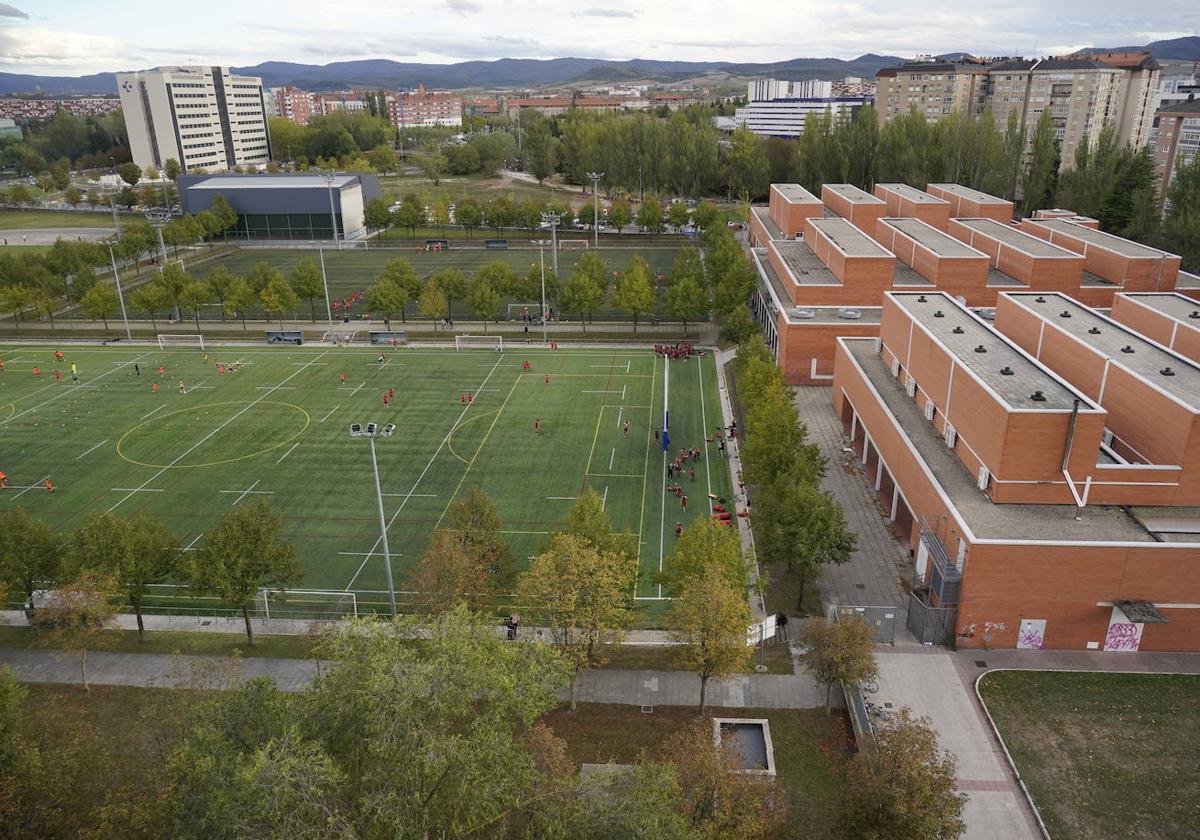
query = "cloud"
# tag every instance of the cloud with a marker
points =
(11, 11)
(604, 13)
(464, 7)
(37, 45)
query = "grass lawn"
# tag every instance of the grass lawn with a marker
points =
(357, 270)
(277, 430)
(174, 641)
(455, 188)
(26, 219)
(810, 749)
(1103, 755)
(24, 249)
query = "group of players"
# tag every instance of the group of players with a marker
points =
(58, 359)
(679, 350)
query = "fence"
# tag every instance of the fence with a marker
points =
(930, 625)
(881, 620)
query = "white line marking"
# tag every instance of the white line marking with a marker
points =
(191, 546)
(330, 414)
(368, 553)
(138, 490)
(66, 391)
(30, 487)
(611, 457)
(317, 364)
(704, 429)
(274, 388)
(562, 498)
(620, 414)
(208, 436)
(598, 392)
(248, 491)
(411, 493)
(359, 388)
(93, 449)
(160, 408)
(604, 501)
(289, 452)
(622, 392)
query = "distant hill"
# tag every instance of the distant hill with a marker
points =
(1175, 49)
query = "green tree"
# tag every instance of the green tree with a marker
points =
(450, 575)
(278, 296)
(585, 290)
(385, 298)
(678, 216)
(410, 214)
(30, 553)
(15, 299)
(650, 215)
(20, 195)
(239, 297)
(219, 280)
(194, 296)
(776, 443)
(433, 300)
(583, 596)
(484, 300)
(902, 784)
(686, 301)
(634, 291)
(707, 215)
(541, 150)
(500, 213)
(100, 301)
(589, 521)
(501, 277)
(171, 169)
(710, 621)
(242, 555)
(838, 652)
(748, 167)
(149, 298)
(130, 173)
(620, 214)
(1181, 225)
(307, 283)
(75, 614)
(469, 214)
(223, 214)
(73, 196)
(453, 284)
(705, 546)
(439, 215)
(1041, 177)
(376, 215)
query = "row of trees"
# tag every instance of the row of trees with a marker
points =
(67, 141)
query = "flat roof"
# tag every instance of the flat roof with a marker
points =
(941, 244)
(1114, 341)
(819, 314)
(1175, 306)
(985, 518)
(1187, 280)
(805, 267)
(850, 240)
(796, 194)
(904, 275)
(1100, 239)
(270, 182)
(1026, 243)
(973, 195)
(853, 194)
(998, 279)
(913, 194)
(1008, 371)
(764, 217)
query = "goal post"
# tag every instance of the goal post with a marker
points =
(298, 604)
(181, 340)
(479, 342)
(573, 244)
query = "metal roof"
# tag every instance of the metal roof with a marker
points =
(272, 182)
(1014, 376)
(941, 244)
(796, 194)
(970, 194)
(913, 194)
(1027, 243)
(1100, 239)
(850, 240)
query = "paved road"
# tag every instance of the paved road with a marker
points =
(47, 236)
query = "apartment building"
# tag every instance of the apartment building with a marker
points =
(934, 88)
(554, 106)
(291, 103)
(423, 109)
(786, 117)
(21, 110)
(202, 117)
(1042, 471)
(1176, 141)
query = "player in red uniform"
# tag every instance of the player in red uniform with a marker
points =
(37, 371)
(547, 379)
(341, 379)
(537, 426)
(57, 376)
(48, 484)
(58, 356)
(683, 501)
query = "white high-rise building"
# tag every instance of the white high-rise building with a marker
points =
(764, 90)
(202, 117)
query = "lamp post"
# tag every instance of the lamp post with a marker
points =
(595, 177)
(325, 283)
(370, 432)
(541, 243)
(551, 220)
(120, 294)
(329, 179)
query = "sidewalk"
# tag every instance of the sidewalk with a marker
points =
(634, 688)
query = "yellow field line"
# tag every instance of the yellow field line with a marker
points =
(454, 431)
(595, 437)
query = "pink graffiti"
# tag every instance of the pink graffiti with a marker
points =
(1121, 637)
(1030, 639)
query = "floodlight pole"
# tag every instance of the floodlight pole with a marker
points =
(329, 179)
(387, 555)
(551, 219)
(542, 259)
(595, 177)
(325, 283)
(120, 294)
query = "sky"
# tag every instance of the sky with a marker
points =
(76, 37)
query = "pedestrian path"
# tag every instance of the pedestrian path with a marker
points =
(635, 688)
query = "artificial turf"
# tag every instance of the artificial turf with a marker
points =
(277, 429)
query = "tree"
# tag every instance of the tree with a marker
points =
(501, 213)
(238, 298)
(307, 283)
(775, 442)
(705, 546)
(45, 303)
(484, 300)
(449, 575)
(1181, 225)
(385, 298)
(20, 195)
(541, 150)
(439, 215)
(1041, 176)
(650, 215)
(411, 213)
(433, 300)
(100, 301)
(16, 299)
(501, 277)
(453, 284)
(149, 298)
(73, 196)
(126, 197)
(432, 162)
(77, 612)
(475, 520)
(30, 553)
(901, 784)
(585, 289)
(589, 521)
(748, 167)
(687, 301)
(710, 620)
(584, 597)
(634, 291)
(219, 280)
(171, 169)
(620, 214)
(278, 296)
(130, 173)
(678, 216)
(242, 555)
(838, 651)
(707, 214)
(194, 295)
(223, 215)
(137, 553)
(469, 215)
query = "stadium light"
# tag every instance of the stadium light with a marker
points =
(329, 179)
(370, 432)
(120, 293)
(325, 283)
(595, 177)
(541, 243)
(551, 219)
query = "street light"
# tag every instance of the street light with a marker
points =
(595, 177)
(329, 179)
(325, 283)
(551, 220)
(370, 432)
(120, 294)
(541, 243)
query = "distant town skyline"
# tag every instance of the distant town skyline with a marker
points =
(74, 37)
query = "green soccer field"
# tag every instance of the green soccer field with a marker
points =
(277, 429)
(357, 270)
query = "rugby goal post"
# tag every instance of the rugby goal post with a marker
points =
(181, 340)
(572, 244)
(340, 336)
(479, 342)
(305, 604)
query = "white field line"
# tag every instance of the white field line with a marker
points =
(289, 452)
(421, 477)
(604, 501)
(248, 491)
(622, 393)
(599, 392)
(611, 457)
(274, 388)
(662, 516)
(704, 429)
(66, 391)
(561, 498)
(30, 487)
(359, 388)
(620, 415)
(330, 414)
(93, 449)
(192, 545)
(412, 495)
(209, 436)
(133, 490)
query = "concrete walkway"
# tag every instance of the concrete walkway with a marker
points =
(636, 688)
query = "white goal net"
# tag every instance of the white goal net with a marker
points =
(568, 244)
(193, 340)
(478, 342)
(340, 336)
(305, 604)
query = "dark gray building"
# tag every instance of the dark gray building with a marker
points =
(285, 206)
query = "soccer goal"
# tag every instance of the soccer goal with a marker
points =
(340, 336)
(571, 244)
(191, 340)
(476, 342)
(322, 604)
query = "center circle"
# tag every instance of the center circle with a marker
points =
(259, 426)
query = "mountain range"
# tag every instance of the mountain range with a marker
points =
(532, 73)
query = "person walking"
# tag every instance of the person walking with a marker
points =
(513, 622)
(781, 622)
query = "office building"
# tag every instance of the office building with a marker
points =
(202, 117)
(1176, 141)
(764, 90)
(1043, 471)
(423, 109)
(786, 117)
